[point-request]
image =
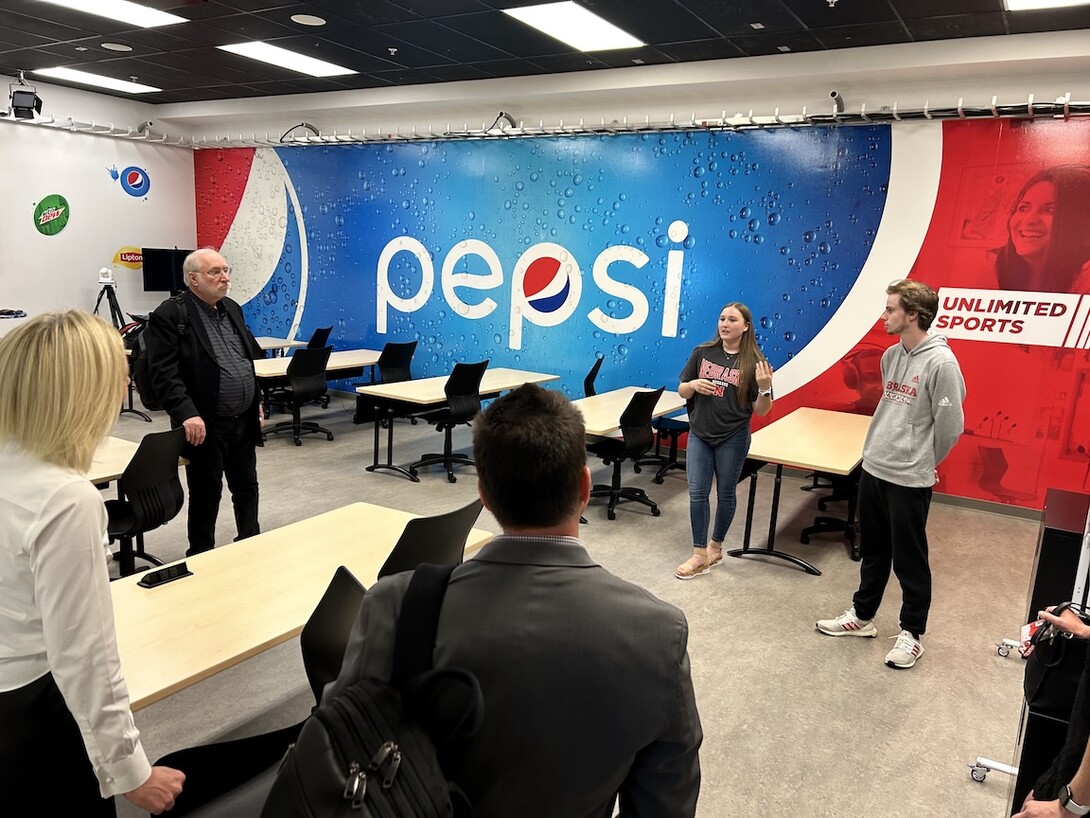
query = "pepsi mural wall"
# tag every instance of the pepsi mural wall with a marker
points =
(545, 253)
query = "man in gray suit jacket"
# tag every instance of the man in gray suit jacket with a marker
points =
(585, 676)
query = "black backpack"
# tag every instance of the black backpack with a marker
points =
(377, 750)
(141, 373)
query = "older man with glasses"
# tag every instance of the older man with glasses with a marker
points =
(200, 357)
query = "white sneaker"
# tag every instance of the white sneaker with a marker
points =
(847, 624)
(906, 650)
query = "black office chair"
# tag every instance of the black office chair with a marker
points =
(463, 390)
(306, 381)
(395, 361)
(395, 365)
(670, 430)
(150, 494)
(320, 338)
(636, 438)
(232, 778)
(440, 539)
(588, 382)
(325, 636)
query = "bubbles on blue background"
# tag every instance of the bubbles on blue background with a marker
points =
(755, 224)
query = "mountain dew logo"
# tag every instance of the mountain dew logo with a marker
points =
(51, 215)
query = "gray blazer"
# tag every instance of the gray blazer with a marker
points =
(585, 678)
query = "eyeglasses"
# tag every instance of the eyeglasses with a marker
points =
(218, 272)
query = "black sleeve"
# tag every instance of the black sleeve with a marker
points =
(164, 362)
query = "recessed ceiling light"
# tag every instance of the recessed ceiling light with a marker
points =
(575, 26)
(757, 26)
(123, 11)
(1032, 5)
(83, 78)
(287, 59)
(784, 48)
(308, 19)
(117, 47)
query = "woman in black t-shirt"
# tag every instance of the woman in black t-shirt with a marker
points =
(724, 382)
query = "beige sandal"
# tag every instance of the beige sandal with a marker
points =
(701, 562)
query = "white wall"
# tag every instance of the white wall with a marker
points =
(39, 272)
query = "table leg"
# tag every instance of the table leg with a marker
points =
(825, 524)
(381, 412)
(130, 409)
(769, 549)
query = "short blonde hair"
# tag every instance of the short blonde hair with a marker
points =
(61, 376)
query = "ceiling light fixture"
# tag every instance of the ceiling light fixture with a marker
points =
(575, 25)
(283, 58)
(123, 11)
(97, 80)
(117, 47)
(1033, 5)
(308, 19)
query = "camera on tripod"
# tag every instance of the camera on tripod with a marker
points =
(109, 292)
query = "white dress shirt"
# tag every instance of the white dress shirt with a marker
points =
(56, 610)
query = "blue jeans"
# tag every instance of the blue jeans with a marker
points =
(725, 462)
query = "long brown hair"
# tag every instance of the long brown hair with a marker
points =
(749, 353)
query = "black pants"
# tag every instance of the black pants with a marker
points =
(228, 450)
(42, 754)
(893, 533)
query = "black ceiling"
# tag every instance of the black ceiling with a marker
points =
(406, 42)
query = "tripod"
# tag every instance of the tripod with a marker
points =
(116, 316)
(118, 319)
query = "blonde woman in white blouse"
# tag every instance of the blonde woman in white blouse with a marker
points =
(68, 739)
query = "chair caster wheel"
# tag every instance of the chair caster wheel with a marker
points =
(637, 469)
(611, 515)
(297, 442)
(329, 436)
(1003, 650)
(805, 539)
(978, 773)
(655, 512)
(413, 472)
(451, 478)
(657, 480)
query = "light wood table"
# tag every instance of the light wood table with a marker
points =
(428, 393)
(277, 345)
(812, 440)
(246, 597)
(602, 412)
(110, 459)
(339, 360)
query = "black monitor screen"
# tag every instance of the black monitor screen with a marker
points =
(163, 269)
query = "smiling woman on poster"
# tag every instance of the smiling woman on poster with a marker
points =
(1048, 234)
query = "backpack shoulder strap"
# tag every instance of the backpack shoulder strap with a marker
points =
(183, 312)
(418, 622)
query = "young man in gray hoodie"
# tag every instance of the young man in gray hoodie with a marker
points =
(916, 424)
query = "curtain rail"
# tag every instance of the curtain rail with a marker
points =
(1061, 108)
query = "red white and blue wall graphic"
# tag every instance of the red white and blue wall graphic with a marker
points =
(545, 253)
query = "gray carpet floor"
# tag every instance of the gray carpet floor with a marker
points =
(795, 723)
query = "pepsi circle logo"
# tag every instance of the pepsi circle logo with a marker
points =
(135, 181)
(546, 287)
